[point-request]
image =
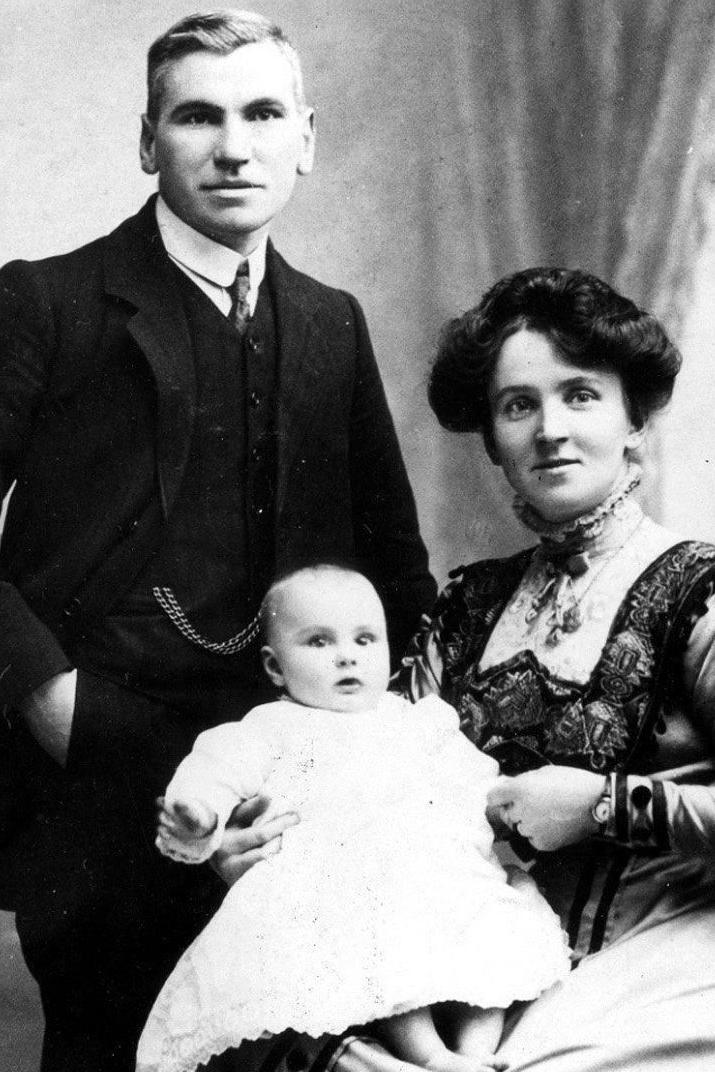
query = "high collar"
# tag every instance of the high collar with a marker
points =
(589, 531)
(200, 256)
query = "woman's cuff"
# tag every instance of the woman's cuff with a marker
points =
(637, 813)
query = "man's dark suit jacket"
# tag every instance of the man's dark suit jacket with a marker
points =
(97, 405)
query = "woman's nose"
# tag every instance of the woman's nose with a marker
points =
(552, 425)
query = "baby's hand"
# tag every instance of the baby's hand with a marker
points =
(183, 829)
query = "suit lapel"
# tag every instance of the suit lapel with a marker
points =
(138, 271)
(303, 361)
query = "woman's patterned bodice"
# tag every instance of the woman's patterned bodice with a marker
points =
(523, 713)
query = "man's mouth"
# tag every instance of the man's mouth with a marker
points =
(231, 184)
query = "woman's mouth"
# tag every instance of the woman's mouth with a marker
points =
(555, 463)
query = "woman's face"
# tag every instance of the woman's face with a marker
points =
(560, 432)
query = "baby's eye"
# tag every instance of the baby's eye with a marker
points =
(317, 641)
(366, 638)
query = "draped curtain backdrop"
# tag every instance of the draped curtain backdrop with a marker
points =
(581, 128)
(457, 140)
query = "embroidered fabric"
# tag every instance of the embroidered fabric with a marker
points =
(565, 558)
(625, 547)
(595, 723)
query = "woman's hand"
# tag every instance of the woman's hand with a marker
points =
(551, 806)
(252, 834)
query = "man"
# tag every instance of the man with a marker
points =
(184, 416)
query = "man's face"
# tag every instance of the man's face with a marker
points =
(228, 142)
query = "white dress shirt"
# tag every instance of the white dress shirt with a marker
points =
(209, 264)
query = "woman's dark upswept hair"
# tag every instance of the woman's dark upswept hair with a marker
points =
(590, 325)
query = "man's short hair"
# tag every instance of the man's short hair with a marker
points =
(221, 32)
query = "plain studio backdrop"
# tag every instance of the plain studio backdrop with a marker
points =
(457, 140)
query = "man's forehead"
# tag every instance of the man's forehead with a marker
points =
(254, 71)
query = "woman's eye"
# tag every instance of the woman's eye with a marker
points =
(582, 397)
(517, 407)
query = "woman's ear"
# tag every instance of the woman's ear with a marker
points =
(271, 666)
(634, 439)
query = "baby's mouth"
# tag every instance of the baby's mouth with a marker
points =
(349, 683)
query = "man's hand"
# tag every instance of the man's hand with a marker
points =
(551, 806)
(251, 835)
(48, 713)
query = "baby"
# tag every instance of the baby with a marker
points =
(386, 902)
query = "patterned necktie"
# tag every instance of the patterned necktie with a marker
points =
(240, 311)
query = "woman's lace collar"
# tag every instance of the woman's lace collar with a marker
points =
(572, 555)
(560, 540)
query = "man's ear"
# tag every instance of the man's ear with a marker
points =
(271, 666)
(147, 146)
(305, 160)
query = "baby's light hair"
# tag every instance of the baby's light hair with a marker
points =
(269, 606)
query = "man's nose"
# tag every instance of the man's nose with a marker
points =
(234, 144)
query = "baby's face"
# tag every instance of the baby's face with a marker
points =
(328, 644)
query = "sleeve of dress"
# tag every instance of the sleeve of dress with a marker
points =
(420, 673)
(691, 808)
(663, 813)
(228, 764)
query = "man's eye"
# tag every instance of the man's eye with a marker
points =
(195, 119)
(264, 115)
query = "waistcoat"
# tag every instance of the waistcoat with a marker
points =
(216, 554)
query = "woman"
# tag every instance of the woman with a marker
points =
(587, 667)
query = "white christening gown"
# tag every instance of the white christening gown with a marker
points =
(385, 897)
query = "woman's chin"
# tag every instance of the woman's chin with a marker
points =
(559, 511)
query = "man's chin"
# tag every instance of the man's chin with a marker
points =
(236, 233)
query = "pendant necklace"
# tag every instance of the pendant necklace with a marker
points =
(567, 614)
